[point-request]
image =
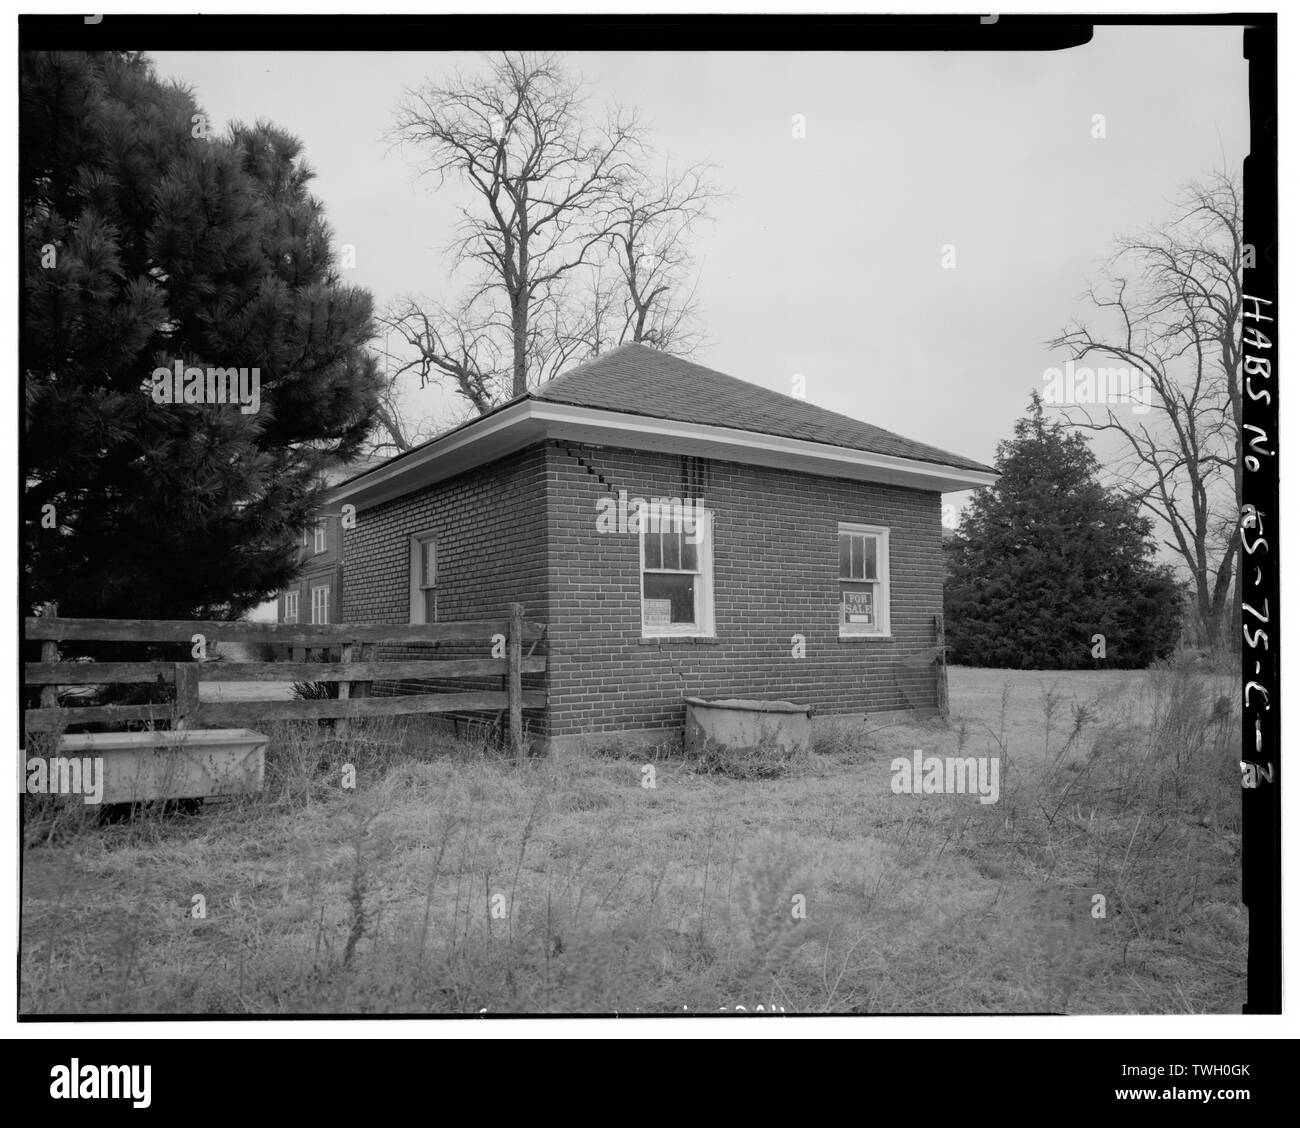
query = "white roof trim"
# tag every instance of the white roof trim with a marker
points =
(529, 421)
(753, 447)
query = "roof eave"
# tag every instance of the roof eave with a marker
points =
(531, 420)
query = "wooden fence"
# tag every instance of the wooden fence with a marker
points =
(355, 671)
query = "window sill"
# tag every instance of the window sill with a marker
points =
(866, 638)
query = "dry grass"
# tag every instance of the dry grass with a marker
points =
(450, 881)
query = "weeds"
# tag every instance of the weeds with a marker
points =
(449, 881)
(767, 758)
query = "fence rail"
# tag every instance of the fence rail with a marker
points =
(52, 628)
(100, 673)
(354, 678)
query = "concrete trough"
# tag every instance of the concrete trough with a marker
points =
(139, 767)
(747, 726)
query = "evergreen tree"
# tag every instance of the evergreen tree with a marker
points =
(149, 241)
(1047, 559)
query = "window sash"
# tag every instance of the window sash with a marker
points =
(673, 595)
(423, 578)
(860, 555)
(320, 605)
(319, 544)
(852, 611)
(668, 551)
(864, 595)
(669, 555)
(291, 607)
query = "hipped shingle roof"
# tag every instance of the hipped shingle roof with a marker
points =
(640, 380)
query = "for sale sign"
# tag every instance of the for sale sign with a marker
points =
(658, 612)
(860, 607)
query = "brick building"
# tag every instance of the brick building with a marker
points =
(317, 594)
(681, 533)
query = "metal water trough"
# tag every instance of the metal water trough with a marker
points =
(182, 764)
(748, 726)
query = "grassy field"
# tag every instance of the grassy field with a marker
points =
(448, 881)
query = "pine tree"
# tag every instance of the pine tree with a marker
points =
(148, 241)
(1047, 559)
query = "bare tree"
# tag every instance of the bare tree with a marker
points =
(396, 432)
(543, 177)
(652, 220)
(571, 324)
(393, 435)
(1172, 299)
(462, 345)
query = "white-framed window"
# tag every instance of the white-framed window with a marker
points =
(290, 606)
(319, 544)
(864, 580)
(320, 603)
(306, 538)
(424, 578)
(677, 577)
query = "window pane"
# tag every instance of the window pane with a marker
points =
(672, 543)
(652, 554)
(677, 591)
(430, 605)
(869, 544)
(844, 555)
(855, 570)
(859, 605)
(428, 565)
(690, 554)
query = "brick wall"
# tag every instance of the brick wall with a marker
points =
(490, 528)
(524, 529)
(776, 568)
(318, 568)
(316, 572)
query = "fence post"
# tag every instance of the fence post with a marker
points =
(941, 672)
(366, 651)
(514, 688)
(50, 653)
(345, 692)
(362, 688)
(186, 675)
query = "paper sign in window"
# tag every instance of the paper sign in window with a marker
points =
(658, 612)
(859, 607)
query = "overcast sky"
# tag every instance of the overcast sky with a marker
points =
(826, 259)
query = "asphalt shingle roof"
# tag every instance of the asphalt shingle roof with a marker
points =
(640, 380)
